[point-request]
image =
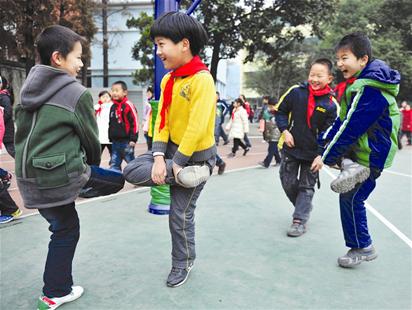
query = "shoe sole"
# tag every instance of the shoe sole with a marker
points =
(295, 236)
(346, 185)
(66, 302)
(197, 177)
(184, 280)
(365, 259)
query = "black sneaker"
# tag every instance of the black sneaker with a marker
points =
(226, 142)
(221, 169)
(178, 276)
(246, 150)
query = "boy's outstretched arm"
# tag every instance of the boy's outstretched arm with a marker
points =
(203, 109)
(367, 106)
(87, 129)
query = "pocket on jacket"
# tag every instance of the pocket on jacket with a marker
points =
(50, 171)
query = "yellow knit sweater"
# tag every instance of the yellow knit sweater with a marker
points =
(190, 120)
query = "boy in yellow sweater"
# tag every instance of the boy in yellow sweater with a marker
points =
(183, 152)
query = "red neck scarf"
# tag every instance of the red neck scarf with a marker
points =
(340, 88)
(99, 110)
(119, 108)
(192, 67)
(5, 92)
(311, 102)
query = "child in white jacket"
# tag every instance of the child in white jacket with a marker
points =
(238, 126)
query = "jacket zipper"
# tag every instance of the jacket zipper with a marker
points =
(33, 123)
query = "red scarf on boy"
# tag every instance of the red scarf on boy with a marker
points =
(312, 103)
(119, 108)
(192, 67)
(99, 110)
(340, 88)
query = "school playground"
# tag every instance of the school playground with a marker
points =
(244, 258)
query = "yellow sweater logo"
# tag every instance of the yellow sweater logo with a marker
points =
(184, 92)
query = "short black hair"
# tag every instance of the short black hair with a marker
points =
(122, 84)
(104, 92)
(56, 38)
(358, 43)
(272, 101)
(323, 61)
(4, 83)
(150, 88)
(177, 26)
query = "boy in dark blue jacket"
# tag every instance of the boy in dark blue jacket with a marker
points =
(303, 114)
(367, 127)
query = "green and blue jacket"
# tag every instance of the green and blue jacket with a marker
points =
(369, 119)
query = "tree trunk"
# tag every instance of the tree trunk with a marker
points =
(28, 37)
(215, 58)
(105, 46)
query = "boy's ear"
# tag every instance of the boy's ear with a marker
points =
(56, 58)
(186, 44)
(364, 60)
(330, 78)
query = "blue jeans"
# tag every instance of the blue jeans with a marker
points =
(65, 229)
(120, 151)
(272, 152)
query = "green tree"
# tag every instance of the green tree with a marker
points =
(286, 70)
(253, 26)
(388, 25)
(143, 49)
(22, 20)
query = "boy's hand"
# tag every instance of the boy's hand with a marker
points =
(176, 169)
(159, 170)
(132, 144)
(317, 164)
(289, 139)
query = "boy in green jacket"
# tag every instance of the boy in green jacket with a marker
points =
(56, 145)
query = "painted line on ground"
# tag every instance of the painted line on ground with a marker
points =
(380, 217)
(398, 173)
(140, 189)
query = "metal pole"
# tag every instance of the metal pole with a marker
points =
(105, 45)
(193, 7)
(161, 7)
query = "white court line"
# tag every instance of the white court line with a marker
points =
(398, 173)
(380, 217)
(140, 189)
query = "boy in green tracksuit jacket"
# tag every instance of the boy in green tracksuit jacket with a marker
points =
(57, 148)
(365, 135)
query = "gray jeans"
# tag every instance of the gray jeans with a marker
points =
(182, 207)
(299, 188)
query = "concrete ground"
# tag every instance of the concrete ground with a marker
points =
(244, 258)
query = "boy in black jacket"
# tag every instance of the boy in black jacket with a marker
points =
(123, 126)
(304, 112)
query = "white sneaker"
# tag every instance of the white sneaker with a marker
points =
(193, 176)
(351, 174)
(46, 303)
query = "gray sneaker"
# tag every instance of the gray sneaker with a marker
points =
(192, 176)
(178, 276)
(296, 229)
(351, 174)
(355, 256)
